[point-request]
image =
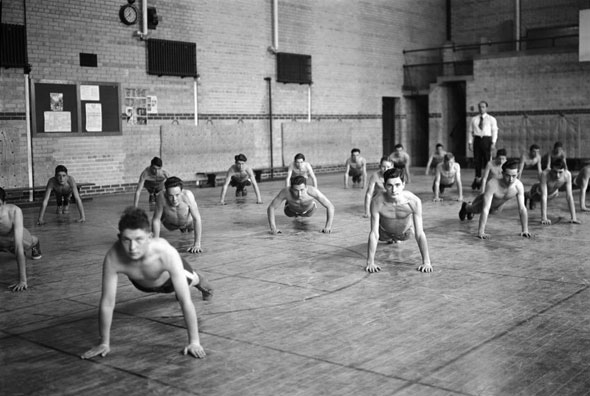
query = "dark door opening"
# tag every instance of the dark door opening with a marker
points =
(388, 120)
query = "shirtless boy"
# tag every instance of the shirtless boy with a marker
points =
(301, 168)
(153, 266)
(401, 160)
(492, 200)
(64, 187)
(493, 169)
(558, 152)
(152, 178)
(435, 159)
(581, 182)
(396, 214)
(15, 238)
(532, 159)
(240, 175)
(446, 175)
(551, 181)
(356, 167)
(177, 209)
(376, 183)
(300, 202)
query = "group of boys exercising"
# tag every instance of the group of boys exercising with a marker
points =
(153, 265)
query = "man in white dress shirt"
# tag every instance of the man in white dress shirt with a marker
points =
(483, 133)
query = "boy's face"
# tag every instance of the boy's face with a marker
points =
(501, 159)
(154, 169)
(394, 186)
(61, 177)
(509, 176)
(299, 191)
(173, 195)
(135, 242)
(385, 165)
(298, 163)
(240, 165)
(557, 172)
(354, 156)
(535, 152)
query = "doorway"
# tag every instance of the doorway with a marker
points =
(417, 127)
(388, 104)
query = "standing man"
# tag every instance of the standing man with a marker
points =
(152, 178)
(177, 209)
(240, 175)
(483, 133)
(300, 202)
(356, 167)
(15, 238)
(396, 214)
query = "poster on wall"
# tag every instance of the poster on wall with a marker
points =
(152, 104)
(137, 101)
(56, 101)
(89, 92)
(93, 117)
(57, 121)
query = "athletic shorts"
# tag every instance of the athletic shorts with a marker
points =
(167, 287)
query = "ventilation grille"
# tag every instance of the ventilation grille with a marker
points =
(293, 68)
(12, 45)
(172, 58)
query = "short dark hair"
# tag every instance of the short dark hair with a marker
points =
(134, 219)
(297, 180)
(240, 157)
(534, 147)
(484, 102)
(2, 195)
(510, 164)
(383, 159)
(355, 150)
(61, 168)
(501, 152)
(558, 163)
(173, 182)
(393, 173)
(557, 145)
(299, 156)
(156, 161)
(448, 156)
(439, 145)
(399, 145)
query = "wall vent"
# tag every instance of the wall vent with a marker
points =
(172, 58)
(293, 68)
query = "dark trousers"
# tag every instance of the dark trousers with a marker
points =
(482, 153)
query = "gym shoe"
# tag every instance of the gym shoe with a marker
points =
(244, 192)
(470, 216)
(238, 192)
(474, 184)
(463, 211)
(36, 251)
(66, 209)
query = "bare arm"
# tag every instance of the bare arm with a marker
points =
(107, 306)
(570, 198)
(228, 176)
(289, 175)
(421, 236)
(270, 212)
(19, 250)
(364, 170)
(197, 224)
(428, 165)
(74, 187)
(346, 173)
(437, 184)
(312, 176)
(369, 194)
(158, 211)
(255, 185)
(524, 220)
(485, 176)
(181, 288)
(138, 189)
(459, 183)
(583, 188)
(485, 211)
(544, 219)
(408, 165)
(317, 194)
(521, 166)
(45, 202)
(373, 237)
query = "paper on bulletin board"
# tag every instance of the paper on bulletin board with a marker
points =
(152, 104)
(89, 92)
(93, 117)
(57, 121)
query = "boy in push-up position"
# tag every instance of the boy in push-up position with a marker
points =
(153, 266)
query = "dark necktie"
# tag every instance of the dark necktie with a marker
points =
(481, 123)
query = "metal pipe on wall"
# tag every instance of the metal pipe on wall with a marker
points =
(195, 84)
(517, 23)
(275, 24)
(272, 167)
(309, 103)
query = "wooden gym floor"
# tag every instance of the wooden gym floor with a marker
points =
(296, 314)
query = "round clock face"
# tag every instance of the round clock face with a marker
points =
(128, 14)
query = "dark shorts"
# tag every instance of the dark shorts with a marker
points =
(166, 287)
(356, 174)
(153, 187)
(291, 213)
(239, 182)
(441, 186)
(385, 235)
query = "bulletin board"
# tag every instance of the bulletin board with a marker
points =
(75, 107)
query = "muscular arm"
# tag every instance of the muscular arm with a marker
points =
(77, 198)
(437, 184)
(312, 176)
(346, 173)
(270, 212)
(522, 212)
(583, 188)
(421, 236)
(178, 278)
(570, 197)
(544, 219)
(138, 189)
(19, 250)
(459, 183)
(45, 202)
(364, 171)
(317, 194)
(408, 165)
(228, 176)
(197, 224)
(289, 175)
(485, 176)
(428, 165)
(373, 237)
(521, 165)
(107, 306)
